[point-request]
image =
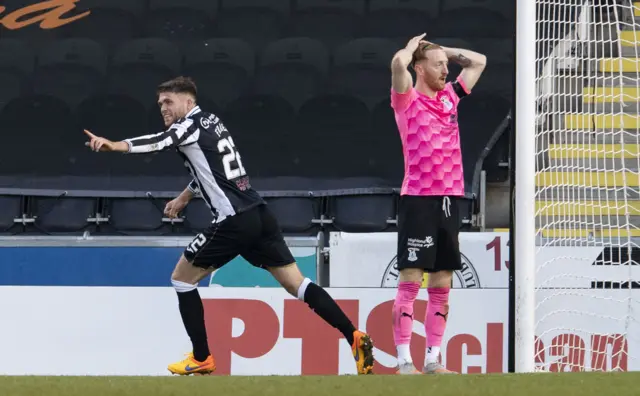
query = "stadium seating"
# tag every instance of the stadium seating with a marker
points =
(71, 69)
(328, 20)
(303, 85)
(400, 19)
(362, 213)
(296, 214)
(183, 20)
(268, 129)
(221, 67)
(131, 216)
(293, 68)
(140, 65)
(17, 61)
(60, 215)
(256, 21)
(111, 21)
(10, 209)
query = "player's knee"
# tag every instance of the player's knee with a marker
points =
(411, 275)
(289, 277)
(440, 279)
(182, 287)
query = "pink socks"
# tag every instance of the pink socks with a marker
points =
(403, 318)
(436, 321)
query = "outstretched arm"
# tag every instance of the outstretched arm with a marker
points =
(472, 63)
(180, 133)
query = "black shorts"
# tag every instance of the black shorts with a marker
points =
(428, 229)
(254, 235)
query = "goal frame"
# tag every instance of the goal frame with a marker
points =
(522, 190)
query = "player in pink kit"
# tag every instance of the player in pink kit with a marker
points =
(428, 220)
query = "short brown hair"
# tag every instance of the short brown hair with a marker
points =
(179, 85)
(421, 52)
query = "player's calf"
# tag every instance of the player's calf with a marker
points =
(402, 314)
(436, 320)
(326, 307)
(185, 280)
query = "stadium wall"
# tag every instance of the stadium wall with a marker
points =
(260, 331)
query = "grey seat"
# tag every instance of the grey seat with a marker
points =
(362, 213)
(295, 214)
(62, 215)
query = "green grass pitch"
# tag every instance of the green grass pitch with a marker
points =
(566, 384)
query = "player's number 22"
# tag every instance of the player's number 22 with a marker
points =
(226, 147)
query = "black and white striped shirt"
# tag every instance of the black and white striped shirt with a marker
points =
(213, 160)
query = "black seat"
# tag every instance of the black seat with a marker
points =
(10, 209)
(62, 215)
(50, 132)
(262, 139)
(198, 216)
(181, 19)
(329, 130)
(295, 214)
(362, 213)
(136, 216)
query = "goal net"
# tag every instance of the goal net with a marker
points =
(581, 311)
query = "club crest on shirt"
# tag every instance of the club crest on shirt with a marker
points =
(447, 103)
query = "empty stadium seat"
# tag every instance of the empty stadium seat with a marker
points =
(505, 9)
(331, 21)
(139, 66)
(399, 19)
(329, 131)
(197, 215)
(385, 150)
(63, 214)
(263, 138)
(499, 51)
(110, 23)
(181, 19)
(136, 216)
(10, 209)
(41, 135)
(362, 213)
(103, 115)
(221, 68)
(17, 61)
(294, 68)
(255, 21)
(71, 69)
(474, 18)
(361, 68)
(295, 214)
(497, 79)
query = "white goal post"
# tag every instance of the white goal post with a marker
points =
(575, 298)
